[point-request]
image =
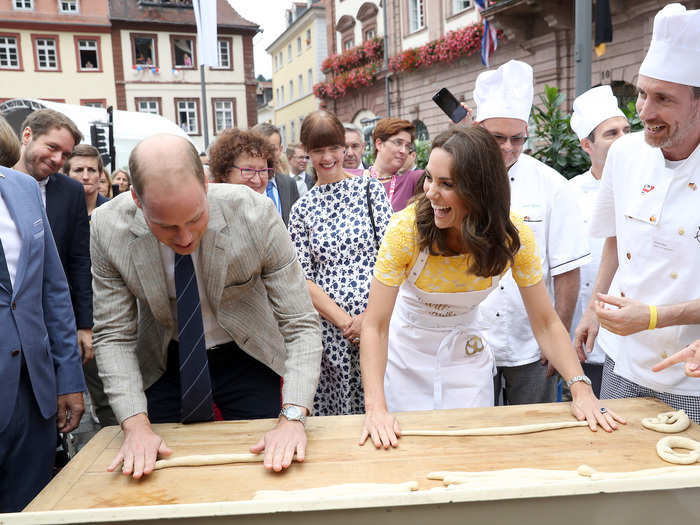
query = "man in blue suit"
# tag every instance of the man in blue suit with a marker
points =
(41, 378)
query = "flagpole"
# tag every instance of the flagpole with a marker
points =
(204, 106)
(583, 48)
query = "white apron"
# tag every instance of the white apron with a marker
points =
(437, 355)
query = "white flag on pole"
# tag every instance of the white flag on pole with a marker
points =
(205, 14)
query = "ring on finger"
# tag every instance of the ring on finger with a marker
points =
(603, 410)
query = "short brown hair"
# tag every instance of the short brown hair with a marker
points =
(83, 150)
(292, 149)
(267, 130)
(137, 177)
(42, 121)
(481, 181)
(234, 142)
(321, 129)
(10, 147)
(388, 127)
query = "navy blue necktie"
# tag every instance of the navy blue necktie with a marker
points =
(195, 383)
(4, 271)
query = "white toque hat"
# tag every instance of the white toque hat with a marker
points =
(674, 53)
(593, 107)
(505, 92)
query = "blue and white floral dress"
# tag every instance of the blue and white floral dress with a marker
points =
(331, 229)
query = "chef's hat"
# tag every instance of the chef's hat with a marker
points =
(505, 92)
(674, 53)
(593, 107)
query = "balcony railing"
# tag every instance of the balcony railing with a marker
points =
(166, 3)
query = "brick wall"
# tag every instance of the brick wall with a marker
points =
(251, 100)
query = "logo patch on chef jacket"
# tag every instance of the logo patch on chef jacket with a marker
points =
(647, 188)
(474, 345)
(697, 235)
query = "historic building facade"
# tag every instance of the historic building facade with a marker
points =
(539, 33)
(154, 48)
(296, 66)
(56, 50)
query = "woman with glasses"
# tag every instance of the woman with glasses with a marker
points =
(393, 140)
(422, 336)
(336, 228)
(242, 157)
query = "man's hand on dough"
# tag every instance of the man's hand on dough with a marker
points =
(586, 405)
(382, 427)
(690, 355)
(630, 316)
(140, 449)
(281, 443)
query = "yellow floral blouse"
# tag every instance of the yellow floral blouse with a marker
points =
(399, 251)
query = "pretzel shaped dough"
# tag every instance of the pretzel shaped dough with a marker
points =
(668, 422)
(665, 446)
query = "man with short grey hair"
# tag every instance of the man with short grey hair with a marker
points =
(354, 146)
(199, 299)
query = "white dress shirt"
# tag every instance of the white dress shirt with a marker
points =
(541, 196)
(585, 187)
(11, 241)
(653, 208)
(301, 182)
(213, 333)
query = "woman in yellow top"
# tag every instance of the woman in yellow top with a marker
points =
(421, 345)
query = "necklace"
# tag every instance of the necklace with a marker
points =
(392, 186)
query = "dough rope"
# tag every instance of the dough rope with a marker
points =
(207, 459)
(665, 446)
(347, 489)
(498, 431)
(668, 422)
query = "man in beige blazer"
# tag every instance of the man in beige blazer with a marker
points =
(258, 320)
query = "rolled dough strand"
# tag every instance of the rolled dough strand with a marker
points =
(590, 472)
(347, 489)
(668, 422)
(498, 431)
(207, 459)
(665, 446)
(517, 475)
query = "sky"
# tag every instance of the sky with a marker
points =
(269, 15)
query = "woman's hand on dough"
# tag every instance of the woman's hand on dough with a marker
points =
(690, 355)
(586, 405)
(382, 428)
(281, 444)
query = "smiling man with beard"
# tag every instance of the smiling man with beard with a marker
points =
(648, 211)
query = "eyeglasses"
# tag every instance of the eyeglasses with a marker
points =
(249, 173)
(330, 149)
(401, 144)
(516, 140)
(301, 157)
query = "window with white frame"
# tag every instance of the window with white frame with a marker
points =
(292, 132)
(310, 79)
(93, 104)
(416, 18)
(223, 115)
(370, 34)
(277, 97)
(148, 106)
(24, 5)
(224, 54)
(187, 116)
(301, 121)
(87, 54)
(144, 50)
(46, 54)
(300, 80)
(460, 5)
(183, 55)
(308, 38)
(284, 136)
(348, 44)
(275, 63)
(289, 52)
(9, 52)
(67, 6)
(291, 90)
(282, 95)
(298, 45)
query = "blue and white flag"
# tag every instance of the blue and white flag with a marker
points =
(489, 38)
(205, 14)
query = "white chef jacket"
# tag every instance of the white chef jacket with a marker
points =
(654, 212)
(585, 187)
(541, 196)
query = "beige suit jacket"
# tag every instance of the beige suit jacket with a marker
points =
(252, 278)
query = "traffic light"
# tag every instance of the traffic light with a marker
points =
(98, 138)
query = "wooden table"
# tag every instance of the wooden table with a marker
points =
(85, 493)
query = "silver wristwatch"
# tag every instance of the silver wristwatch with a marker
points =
(293, 413)
(576, 379)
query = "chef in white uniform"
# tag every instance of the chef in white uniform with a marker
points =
(541, 196)
(648, 210)
(598, 122)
